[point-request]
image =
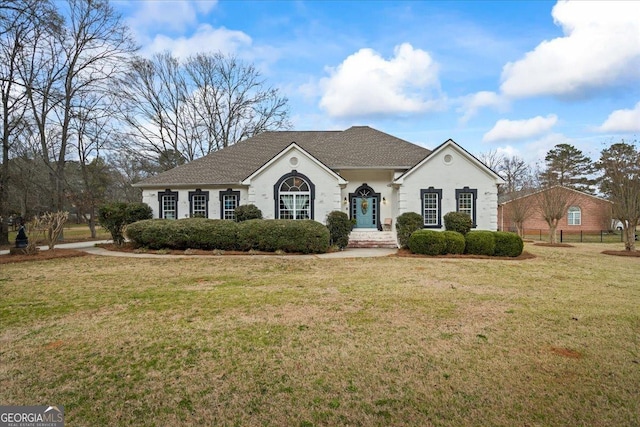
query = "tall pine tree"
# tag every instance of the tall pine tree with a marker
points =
(567, 166)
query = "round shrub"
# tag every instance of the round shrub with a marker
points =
(454, 242)
(427, 242)
(340, 227)
(247, 212)
(458, 221)
(480, 242)
(406, 224)
(508, 244)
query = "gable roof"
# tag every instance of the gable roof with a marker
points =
(293, 146)
(523, 194)
(359, 147)
(455, 145)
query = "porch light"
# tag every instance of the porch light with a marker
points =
(345, 201)
(384, 200)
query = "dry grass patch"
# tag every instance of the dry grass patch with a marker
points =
(553, 340)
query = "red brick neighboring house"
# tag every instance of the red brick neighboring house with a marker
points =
(585, 212)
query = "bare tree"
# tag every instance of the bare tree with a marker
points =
(516, 173)
(82, 57)
(620, 164)
(182, 110)
(518, 210)
(21, 22)
(553, 203)
(492, 159)
(92, 130)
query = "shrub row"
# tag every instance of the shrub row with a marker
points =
(491, 243)
(304, 236)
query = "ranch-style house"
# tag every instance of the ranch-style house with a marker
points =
(368, 174)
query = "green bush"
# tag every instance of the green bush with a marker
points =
(406, 224)
(454, 242)
(340, 227)
(194, 233)
(458, 221)
(247, 212)
(480, 242)
(115, 216)
(270, 235)
(427, 242)
(210, 234)
(508, 244)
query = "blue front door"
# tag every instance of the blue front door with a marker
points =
(364, 210)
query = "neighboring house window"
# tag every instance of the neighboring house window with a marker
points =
(294, 197)
(229, 201)
(199, 203)
(431, 207)
(574, 216)
(466, 202)
(168, 201)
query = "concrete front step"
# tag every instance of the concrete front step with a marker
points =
(372, 239)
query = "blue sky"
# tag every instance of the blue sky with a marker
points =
(513, 76)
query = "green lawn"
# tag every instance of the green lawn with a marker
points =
(552, 341)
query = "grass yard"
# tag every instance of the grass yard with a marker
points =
(252, 341)
(71, 233)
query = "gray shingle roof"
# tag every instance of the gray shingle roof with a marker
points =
(356, 147)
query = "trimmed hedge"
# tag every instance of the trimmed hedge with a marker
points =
(427, 242)
(270, 235)
(508, 244)
(340, 226)
(406, 224)
(454, 242)
(480, 242)
(458, 221)
(304, 236)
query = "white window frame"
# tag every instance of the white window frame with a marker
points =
(574, 215)
(294, 198)
(167, 201)
(229, 205)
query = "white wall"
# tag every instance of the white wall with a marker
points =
(327, 189)
(459, 173)
(150, 197)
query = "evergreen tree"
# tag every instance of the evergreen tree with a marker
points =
(567, 166)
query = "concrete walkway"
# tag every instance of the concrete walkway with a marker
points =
(90, 247)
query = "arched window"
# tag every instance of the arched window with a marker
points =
(574, 216)
(294, 198)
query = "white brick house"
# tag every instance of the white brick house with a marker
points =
(368, 174)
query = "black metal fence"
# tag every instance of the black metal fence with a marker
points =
(573, 236)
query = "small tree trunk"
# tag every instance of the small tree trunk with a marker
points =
(553, 237)
(92, 223)
(630, 241)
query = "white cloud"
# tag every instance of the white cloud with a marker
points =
(512, 130)
(600, 48)
(205, 39)
(167, 15)
(472, 103)
(622, 121)
(366, 84)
